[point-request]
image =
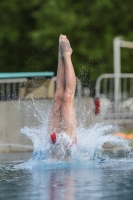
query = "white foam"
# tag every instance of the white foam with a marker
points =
(89, 142)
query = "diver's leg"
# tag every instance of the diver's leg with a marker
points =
(55, 115)
(68, 123)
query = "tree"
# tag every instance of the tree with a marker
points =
(29, 32)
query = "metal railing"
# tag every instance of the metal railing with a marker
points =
(10, 83)
(108, 85)
(119, 104)
(9, 88)
(119, 43)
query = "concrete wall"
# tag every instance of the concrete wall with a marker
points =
(14, 115)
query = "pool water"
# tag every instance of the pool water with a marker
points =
(111, 178)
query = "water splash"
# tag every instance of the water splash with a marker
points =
(90, 143)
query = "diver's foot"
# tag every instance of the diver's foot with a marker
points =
(64, 46)
(60, 56)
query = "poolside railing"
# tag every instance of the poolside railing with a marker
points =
(122, 106)
(14, 85)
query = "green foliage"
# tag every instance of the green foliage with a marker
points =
(129, 131)
(29, 32)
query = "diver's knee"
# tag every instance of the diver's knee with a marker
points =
(68, 97)
(58, 97)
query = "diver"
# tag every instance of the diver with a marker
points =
(62, 117)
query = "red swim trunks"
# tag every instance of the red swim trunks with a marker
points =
(53, 139)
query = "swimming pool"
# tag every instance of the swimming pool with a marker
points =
(111, 178)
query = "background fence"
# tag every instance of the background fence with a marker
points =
(112, 104)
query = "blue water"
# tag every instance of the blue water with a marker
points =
(87, 170)
(111, 178)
